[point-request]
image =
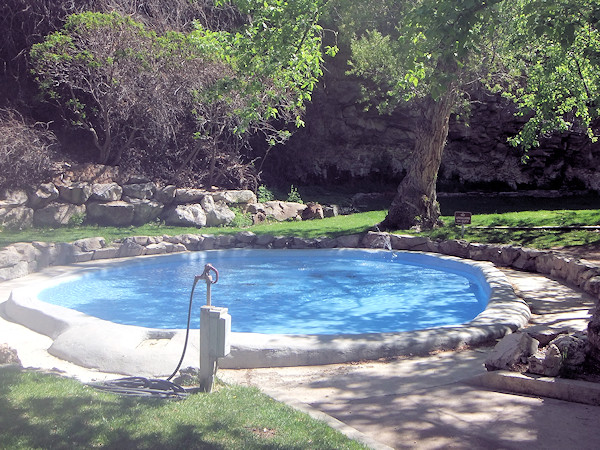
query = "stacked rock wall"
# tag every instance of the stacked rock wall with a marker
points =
(135, 202)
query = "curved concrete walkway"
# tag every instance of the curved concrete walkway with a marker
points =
(429, 402)
(444, 400)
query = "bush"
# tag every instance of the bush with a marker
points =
(294, 195)
(242, 219)
(25, 151)
(264, 194)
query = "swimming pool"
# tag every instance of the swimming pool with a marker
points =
(127, 349)
(327, 291)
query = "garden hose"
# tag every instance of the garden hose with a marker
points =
(154, 388)
(142, 387)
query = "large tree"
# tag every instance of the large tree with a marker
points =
(540, 53)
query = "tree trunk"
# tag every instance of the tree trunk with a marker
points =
(415, 203)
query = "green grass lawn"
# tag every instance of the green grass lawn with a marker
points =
(334, 226)
(535, 238)
(47, 411)
(361, 222)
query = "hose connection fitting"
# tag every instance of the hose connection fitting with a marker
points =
(206, 276)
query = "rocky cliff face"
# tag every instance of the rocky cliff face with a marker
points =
(342, 141)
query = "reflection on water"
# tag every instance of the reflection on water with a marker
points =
(283, 291)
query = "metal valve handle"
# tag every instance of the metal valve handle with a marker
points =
(209, 280)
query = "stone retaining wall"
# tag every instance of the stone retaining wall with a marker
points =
(21, 259)
(137, 202)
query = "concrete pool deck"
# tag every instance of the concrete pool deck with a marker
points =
(435, 401)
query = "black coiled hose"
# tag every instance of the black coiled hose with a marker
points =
(147, 387)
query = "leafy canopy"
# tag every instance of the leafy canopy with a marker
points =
(423, 48)
(551, 58)
(543, 54)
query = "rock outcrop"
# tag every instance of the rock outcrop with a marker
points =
(8, 355)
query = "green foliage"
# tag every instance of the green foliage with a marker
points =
(294, 195)
(242, 219)
(264, 194)
(77, 219)
(422, 48)
(552, 51)
(277, 59)
(102, 68)
(542, 54)
(125, 83)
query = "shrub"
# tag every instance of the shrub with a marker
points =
(242, 219)
(77, 219)
(294, 195)
(264, 194)
(25, 151)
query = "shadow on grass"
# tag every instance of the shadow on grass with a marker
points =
(41, 411)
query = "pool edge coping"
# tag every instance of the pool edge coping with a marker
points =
(131, 350)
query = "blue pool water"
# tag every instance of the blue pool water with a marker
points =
(335, 291)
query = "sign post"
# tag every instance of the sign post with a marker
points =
(462, 218)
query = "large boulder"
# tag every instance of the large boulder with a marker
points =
(331, 210)
(277, 210)
(57, 214)
(547, 361)
(130, 248)
(512, 352)
(245, 237)
(106, 192)
(165, 194)
(76, 193)
(185, 215)
(15, 197)
(90, 244)
(574, 350)
(189, 195)
(12, 264)
(141, 191)
(118, 214)
(16, 218)
(241, 197)
(377, 240)
(45, 194)
(145, 211)
(312, 211)
(348, 241)
(217, 213)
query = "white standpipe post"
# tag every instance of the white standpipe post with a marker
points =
(207, 361)
(215, 327)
